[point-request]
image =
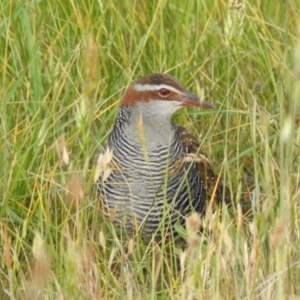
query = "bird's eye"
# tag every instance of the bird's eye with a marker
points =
(163, 92)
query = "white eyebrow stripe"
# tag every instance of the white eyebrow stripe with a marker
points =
(154, 87)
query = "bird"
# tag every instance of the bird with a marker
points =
(153, 172)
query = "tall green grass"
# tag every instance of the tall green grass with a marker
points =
(64, 66)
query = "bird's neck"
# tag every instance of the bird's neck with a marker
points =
(141, 124)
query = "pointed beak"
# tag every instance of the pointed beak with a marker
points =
(189, 99)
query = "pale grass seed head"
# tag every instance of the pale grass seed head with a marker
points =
(75, 192)
(91, 71)
(236, 4)
(112, 256)
(84, 111)
(102, 241)
(252, 259)
(103, 168)
(209, 217)
(234, 24)
(40, 269)
(183, 257)
(7, 249)
(264, 122)
(287, 130)
(193, 223)
(81, 275)
(61, 148)
(257, 87)
(279, 232)
(82, 115)
(41, 259)
(131, 246)
(226, 241)
(129, 281)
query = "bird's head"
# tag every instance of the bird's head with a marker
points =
(160, 94)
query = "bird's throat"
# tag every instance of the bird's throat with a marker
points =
(150, 133)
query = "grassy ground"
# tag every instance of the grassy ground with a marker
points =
(63, 69)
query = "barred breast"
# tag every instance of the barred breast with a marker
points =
(152, 189)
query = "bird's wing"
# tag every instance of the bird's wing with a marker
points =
(215, 190)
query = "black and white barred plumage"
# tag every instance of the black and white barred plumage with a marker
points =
(153, 180)
(145, 190)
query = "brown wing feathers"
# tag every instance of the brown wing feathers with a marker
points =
(215, 190)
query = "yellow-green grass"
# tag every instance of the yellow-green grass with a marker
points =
(63, 69)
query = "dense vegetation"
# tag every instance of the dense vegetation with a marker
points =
(64, 66)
